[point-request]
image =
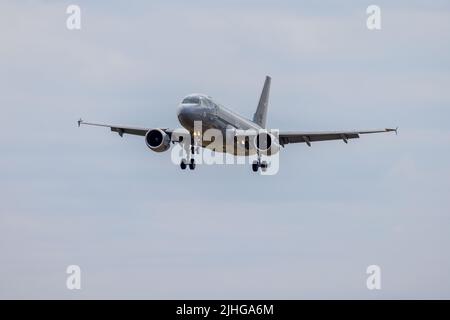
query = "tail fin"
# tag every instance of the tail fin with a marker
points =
(260, 116)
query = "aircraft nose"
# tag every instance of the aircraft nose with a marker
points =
(180, 109)
(184, 110)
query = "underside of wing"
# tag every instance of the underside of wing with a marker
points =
(287, 137)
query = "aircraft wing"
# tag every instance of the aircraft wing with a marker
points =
(287, 137)
(120, 129)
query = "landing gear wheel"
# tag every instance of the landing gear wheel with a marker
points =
(259, 164)
(192, 164)
(264, 166)
(255, 166)
(183, 164)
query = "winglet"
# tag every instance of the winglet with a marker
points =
(395, 130)
(80, 122)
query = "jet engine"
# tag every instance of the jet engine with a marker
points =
(157, 140)
(266, 143)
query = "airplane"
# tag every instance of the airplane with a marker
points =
(212, 115)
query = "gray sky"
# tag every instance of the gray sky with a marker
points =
(140, 228)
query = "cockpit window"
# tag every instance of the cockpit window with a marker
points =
(191, 100)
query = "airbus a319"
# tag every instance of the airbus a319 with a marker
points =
(256, 140)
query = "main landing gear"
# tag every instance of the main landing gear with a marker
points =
(259, 164)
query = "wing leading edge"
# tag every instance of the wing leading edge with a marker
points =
(120, 129)
(286, 137)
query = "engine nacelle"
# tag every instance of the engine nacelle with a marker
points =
(157, 140)
(266, 143)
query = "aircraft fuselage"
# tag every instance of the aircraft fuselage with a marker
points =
(201, 108)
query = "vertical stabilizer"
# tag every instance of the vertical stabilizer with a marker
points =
(260, 116)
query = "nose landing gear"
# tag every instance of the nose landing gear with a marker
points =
(190, 161)
(183, 164)
(192, 164)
